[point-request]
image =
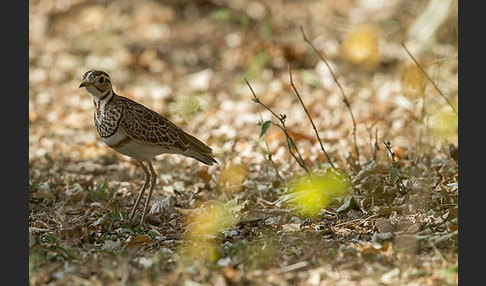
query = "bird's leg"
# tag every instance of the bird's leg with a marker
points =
(146, 176)
(153, 180)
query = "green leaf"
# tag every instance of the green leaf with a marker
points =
(394, 174)
(310, 78)
(222, 15)
(265, 127)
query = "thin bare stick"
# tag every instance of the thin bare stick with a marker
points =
(376, 147)
(283, 127)
(394, 163)
(270, 154)
(271, 161)
(430, 79)
(308, 115)
(345, 99)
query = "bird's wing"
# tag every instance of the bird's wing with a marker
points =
(148, 127)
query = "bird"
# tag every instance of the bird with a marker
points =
(139, 132)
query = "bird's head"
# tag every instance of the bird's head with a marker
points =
(97, 83)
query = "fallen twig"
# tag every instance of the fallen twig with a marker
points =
(291, 267)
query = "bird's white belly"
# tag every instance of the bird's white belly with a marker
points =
(116, 139)
(121, 143)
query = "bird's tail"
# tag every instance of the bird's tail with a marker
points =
(200, 151)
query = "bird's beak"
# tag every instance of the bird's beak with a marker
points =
(83, 84)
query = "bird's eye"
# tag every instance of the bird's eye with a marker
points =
(101, 80)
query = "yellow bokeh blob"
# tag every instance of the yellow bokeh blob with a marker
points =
(361, 47)
(445, 124)
(212, 218)
(413, 81)
(312, 195)
(232, 177)
(203, 224)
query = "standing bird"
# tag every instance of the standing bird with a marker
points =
(136, 131)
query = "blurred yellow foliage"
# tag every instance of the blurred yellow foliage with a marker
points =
(200, 252)
(445, 124)
(310, 196)
(361, 47)
(232, 177)
(413, 81)
(206, 222)
(212, 218)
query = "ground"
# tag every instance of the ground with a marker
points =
(371, 200)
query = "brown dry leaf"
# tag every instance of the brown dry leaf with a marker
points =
(291, 227)
(73, 232)
(384, 225)
(153, 219)
(204, 174)
(387, 210)
(399, 153)
(101, 222)
(350, 202)
(230, 274)
(138, 240)
(295, 135)
(250, 216)
(451, 214)
(370, 248)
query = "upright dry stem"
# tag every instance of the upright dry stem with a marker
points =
(290, 142)
(394, 162)
(430, 79)
(310, 118)
(345, 99)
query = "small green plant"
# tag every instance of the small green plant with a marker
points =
(311, 196)
(104, 193)
(257, 64)
(115, 216)
(186, 107)
(293, 150)
(268, 155)
(281, 117)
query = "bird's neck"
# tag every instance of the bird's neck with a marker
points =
(101, 101)
(102, 98)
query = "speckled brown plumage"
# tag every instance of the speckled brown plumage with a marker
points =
(137, 131)
(107, 122)
(146, 126)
